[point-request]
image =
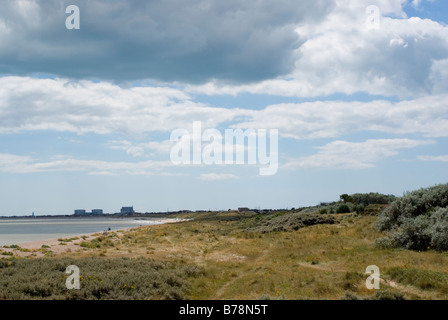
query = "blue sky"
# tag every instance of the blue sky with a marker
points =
(86, 114)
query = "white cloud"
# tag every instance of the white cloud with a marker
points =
(340, 55)
(304, 49)
(329, 119)
(14, 163)
(354, 155)
(28, 104)
(439, 76)
(443, 158)
(102, 173)
(23, 164)
(217, 176)
(139, 149)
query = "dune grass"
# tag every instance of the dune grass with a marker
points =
(322, 261)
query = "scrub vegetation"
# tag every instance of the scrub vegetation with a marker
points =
(304, 253)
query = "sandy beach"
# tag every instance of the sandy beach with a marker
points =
(39, 248)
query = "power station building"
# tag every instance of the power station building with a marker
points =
(82, 212)
(127, 210)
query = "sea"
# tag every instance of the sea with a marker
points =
(19, 230)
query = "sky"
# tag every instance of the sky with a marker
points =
(337, 97)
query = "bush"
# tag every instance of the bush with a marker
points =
(413, 234)
(373, 209)
(366, 199)
(118, 278)
(417, 221)
(346, 198)
(291, 222)
(438, 230)
(413, 204)
(359, 208)
(379, 295)
(343, 208)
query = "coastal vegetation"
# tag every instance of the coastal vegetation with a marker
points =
(118, 278)
(304, 253)
(418, 220)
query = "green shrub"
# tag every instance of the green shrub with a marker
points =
(366, 199)
(413, 234)
(291, 222)
(413, 204)
(379, 295)
(346, 198)
(269, 297)
(67, 239)
(359, 208)
(98, 243)
(373, 209)
(90, 244)
(100, 278)
(417, 221)
(343, 208)
(388, 295)
(438, 229)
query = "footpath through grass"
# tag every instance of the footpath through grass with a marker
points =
(240, 256)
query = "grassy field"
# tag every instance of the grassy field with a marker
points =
(241, 259)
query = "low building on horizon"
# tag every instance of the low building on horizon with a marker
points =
(82, 212)
(127, 210)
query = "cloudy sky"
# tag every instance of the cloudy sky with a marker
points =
(358, 91)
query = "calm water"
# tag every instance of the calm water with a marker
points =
(14, 231)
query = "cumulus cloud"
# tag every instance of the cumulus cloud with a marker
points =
(287, 48)
(23, 164)
(354, 155)
(443, 158)
(29, 104)
(341, 55)
(100, 107)
(329, 119)
(217, 176)
(139, 149)
(166, 40)
(14, 163)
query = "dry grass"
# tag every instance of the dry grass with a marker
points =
(318, 262)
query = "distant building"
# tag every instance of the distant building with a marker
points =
(127, 210)
(243, 209)
(80, 212)
(97, 211)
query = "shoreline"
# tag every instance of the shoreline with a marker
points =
(38, 248)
